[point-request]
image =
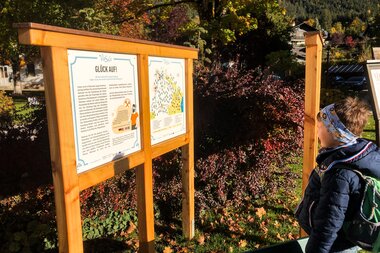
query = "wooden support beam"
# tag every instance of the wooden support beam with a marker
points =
(312, 102)
(144, 175)
(188, 160)
(312, 99)
(62, 149)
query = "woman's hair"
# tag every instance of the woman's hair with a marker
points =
(354, 113)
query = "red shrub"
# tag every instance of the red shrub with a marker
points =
(245, 123)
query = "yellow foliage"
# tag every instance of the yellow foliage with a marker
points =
(167, 250)
(242, 243)
(338, 55)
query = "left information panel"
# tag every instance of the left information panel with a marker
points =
(105, 105)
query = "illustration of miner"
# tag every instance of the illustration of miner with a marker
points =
(121, 121)
(134, 117)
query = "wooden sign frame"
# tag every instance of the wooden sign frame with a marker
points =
(376, 53)
(54, 43)
(372, 73)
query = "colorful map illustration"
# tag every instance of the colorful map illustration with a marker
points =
(167, 97)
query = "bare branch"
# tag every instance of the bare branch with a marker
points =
(157, 6)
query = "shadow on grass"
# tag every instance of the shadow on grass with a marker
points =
(106, 245)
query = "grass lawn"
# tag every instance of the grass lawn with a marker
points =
(261, 222)
(369, 131)
(22, 105)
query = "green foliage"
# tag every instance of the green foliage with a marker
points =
(327, 11)
(7, 109)
(96, 18)
(29, 238)
(27, 222)
(229, 20)
(356, 28)
(284, 63)
(110, 226)
(56, 12)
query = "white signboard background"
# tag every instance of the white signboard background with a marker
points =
(104, 92)
(167, 98)
(375, 77)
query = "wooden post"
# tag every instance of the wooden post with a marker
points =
(313, 42)
(188, 161)
(144, 176)
(62, 150)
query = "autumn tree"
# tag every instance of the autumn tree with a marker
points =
(210, 25)
(70, 13)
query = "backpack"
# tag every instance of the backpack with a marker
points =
(364, 229)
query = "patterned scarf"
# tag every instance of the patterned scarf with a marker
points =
(333, 124)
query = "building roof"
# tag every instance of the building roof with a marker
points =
(346, 69)
(306, 27)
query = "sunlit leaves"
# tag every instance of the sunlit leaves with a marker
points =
(260, 212)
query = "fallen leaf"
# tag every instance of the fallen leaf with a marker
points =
(184, 250)
(230, 249)
(277, 224)
(290, 236)
(279, 237)
(242, 243)
(131, 228)
(263, 227)
(260, 212)
(167, 250)
(295, 224)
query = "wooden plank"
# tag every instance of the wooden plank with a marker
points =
(62, 149)
(63, 30)
(188, 226)
(312, 100)
(106, 171)
(76, 41)
(144, 175)
(171, 144)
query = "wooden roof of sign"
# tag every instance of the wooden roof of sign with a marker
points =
(47, 35)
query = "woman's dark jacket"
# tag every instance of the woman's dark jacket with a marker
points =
(334, 193)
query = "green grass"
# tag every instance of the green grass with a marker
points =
(370, 129)
(21, 106)
(260, 222)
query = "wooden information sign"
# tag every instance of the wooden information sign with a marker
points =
(373, 77)
(113, 104)
(376, 53)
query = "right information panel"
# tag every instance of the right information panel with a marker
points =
(167, 98)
